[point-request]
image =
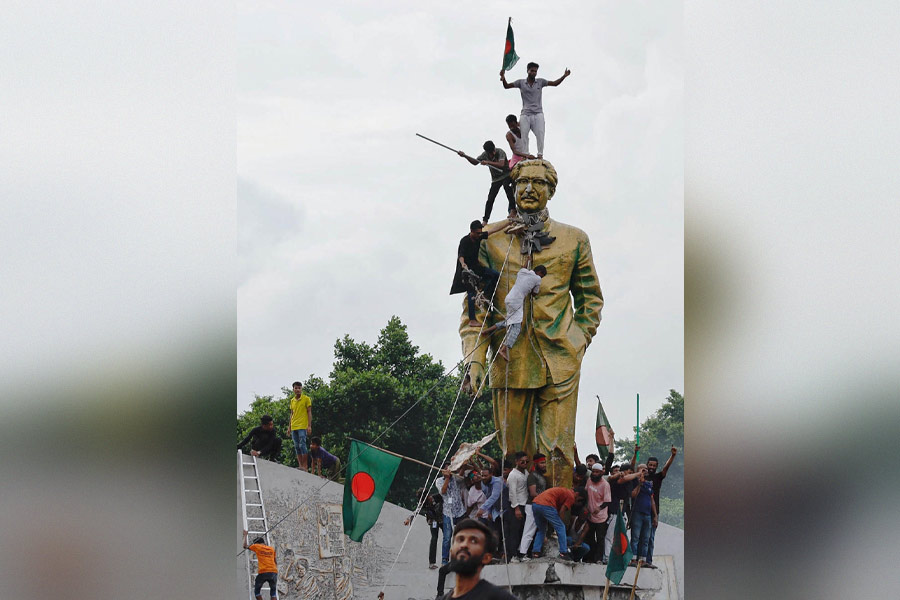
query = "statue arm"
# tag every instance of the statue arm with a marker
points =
(586, 293)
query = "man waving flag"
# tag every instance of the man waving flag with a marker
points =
(370, 473)
(509, 51)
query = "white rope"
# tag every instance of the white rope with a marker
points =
(428, 482)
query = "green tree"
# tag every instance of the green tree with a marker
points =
(659, 432)
(371, 386)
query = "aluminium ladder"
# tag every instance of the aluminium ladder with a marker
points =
(253, 510)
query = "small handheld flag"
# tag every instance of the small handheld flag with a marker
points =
(370, 473)
(509, 51)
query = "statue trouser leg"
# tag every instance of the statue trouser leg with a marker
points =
(514, 417)
(555, 405)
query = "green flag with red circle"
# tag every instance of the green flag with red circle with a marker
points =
(370, 472)
(509, 50)
(620, 553)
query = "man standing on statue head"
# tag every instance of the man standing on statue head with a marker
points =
(532, 117)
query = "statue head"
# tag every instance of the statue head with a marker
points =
(535, 184)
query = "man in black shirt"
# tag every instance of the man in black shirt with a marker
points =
(656, 478)
(473, 547)
(467, 260)
(266, 442)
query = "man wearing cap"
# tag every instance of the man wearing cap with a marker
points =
(267, 569)
(599, 498)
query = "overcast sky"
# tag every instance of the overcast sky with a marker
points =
(346, 218)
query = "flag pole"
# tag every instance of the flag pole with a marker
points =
(424, 464)
(636, 573)
(637, 431)
(606, 589)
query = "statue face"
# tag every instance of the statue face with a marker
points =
(532, 188)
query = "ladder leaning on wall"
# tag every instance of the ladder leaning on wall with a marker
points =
(253, 509)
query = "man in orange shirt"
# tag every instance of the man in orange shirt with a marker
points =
(267, 568)
(550, 507)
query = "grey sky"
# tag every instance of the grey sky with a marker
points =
(346, 218)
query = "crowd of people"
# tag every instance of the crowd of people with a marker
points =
(512, 499)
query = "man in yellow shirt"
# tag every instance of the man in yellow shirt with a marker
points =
(300, 427)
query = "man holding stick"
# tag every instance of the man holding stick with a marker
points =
(495, 159)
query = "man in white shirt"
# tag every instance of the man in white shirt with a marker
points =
(518, 498)
(532, 117)
(527, 282)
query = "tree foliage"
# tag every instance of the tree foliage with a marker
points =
(659, 432)
(370, 387)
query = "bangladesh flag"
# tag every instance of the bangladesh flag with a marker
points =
(620, 553)
(369, 475)
(602, 435)
(509, 51)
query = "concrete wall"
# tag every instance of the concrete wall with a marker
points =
(306, 570)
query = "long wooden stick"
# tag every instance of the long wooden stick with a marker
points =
(636, 573)
(424, 464)
(606, 589)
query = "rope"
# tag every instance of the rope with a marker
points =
(428, 481)
(380, 435)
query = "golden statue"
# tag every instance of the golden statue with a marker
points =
(535, 392)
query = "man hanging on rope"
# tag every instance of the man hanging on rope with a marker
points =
(535, 393)
(468, 267)
(527, 282)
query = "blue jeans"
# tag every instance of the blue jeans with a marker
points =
(542, 516)
(299, 437)
(641, 525)
(650, 544)
(579, 552)
(449, 523)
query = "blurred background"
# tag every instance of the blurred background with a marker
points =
(117, 238)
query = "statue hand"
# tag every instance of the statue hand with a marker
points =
(474, 379)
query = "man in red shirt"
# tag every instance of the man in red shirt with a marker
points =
(267, 567)
(549, 507)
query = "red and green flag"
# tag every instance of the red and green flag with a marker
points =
(509, 51)
(370, 472)
(620, 553)
(603, 434)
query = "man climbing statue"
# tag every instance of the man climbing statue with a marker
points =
(540, 380)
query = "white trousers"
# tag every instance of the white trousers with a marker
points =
(533, 123)
(529, 530)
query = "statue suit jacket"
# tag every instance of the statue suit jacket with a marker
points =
(559, 322)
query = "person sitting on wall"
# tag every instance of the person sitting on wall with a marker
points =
(324, 463)
(266, 442)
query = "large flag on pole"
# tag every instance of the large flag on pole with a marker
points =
(369, 475)
(509, 51)
(620, 553)
(602, 435)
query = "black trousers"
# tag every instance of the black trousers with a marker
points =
(596, 539)
(508, 187)
(432, 547)
(513, 527)
(271, 579)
